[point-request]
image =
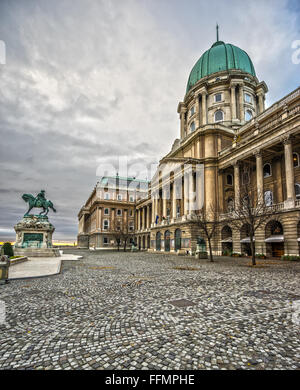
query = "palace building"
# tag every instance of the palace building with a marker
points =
(223, 125)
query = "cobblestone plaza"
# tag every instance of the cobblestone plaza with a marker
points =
(113, 310)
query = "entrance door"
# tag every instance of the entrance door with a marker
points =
(167, 241)
(277, 249)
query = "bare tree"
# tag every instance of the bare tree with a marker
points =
(121, 233)
(207, 222)
(250, 209)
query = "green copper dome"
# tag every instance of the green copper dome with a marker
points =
(221, 56)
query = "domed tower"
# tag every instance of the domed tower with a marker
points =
(222, 89)
(222, 94)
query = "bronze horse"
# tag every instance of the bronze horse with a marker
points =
(39, 203)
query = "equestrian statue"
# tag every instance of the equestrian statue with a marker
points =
(40, 202)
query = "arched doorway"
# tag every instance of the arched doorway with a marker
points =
(158, 241)
(167, 241)
(226, 240)
(274, 239)
(245, 240)
(177, 239)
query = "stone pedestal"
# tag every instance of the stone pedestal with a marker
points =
(34, 237)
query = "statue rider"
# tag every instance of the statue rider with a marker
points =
(40, 197)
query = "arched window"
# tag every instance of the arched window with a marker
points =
(268, 196)
(296, 159)
(297, 190)
(229, 180)
(219, 116)
(192, 111)
(267, 170)
(192, 127)
(248, 115)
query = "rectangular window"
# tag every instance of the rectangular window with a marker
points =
(218, 97)
(119, 197)
(131, 199)
(106, 211)
(248, 98)
(106, 196)
(105, 224)
(119, 212)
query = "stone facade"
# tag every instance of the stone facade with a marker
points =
(224, 124)
(109, 214)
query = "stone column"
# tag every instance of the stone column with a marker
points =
(182, 123)
(186, 194)
(153, 208)
(221, 191)
(278, 177)
(191, 192)
(261, 102)
(242, 113)
(233, 103)
(289, 173)
(204, 108)
(138, 219)
(148, 216)
(164, 203)
(200, 186)
(198, 123)
(259, 176)
(236, 185)
(174, 203)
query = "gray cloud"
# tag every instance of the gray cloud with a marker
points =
(88, 81)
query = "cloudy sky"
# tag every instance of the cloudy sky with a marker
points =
(87, 81)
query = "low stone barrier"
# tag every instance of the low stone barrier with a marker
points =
(18, 260)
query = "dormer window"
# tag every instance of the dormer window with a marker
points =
(219, 116)
(218, 97)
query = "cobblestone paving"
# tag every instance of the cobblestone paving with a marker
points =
(113, 311)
